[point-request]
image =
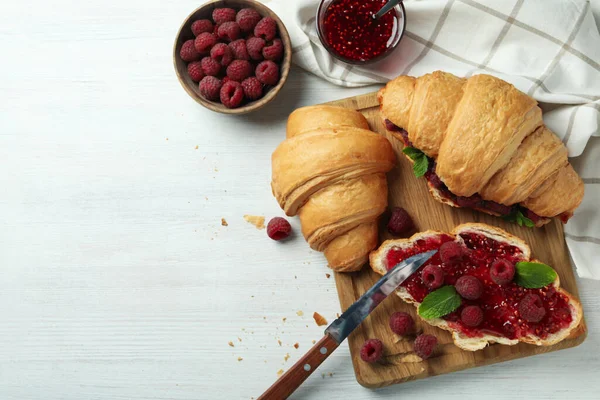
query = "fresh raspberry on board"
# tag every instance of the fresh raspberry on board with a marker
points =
(273, 52)
(267, 72)
(232, 94)
(432, 276)
(210, 88)
(451, 253)
(188, 51)
(531, 308)
(229, 31)
(222, 54)
(253, 89)
(402, 323)
(210, 66)
(239, 70)
(195, 71)
(371, 351)
(221, 15)
(469, 287)
(239, 50)
(472, 316)
(201, 26)
(255, 47)
(247, 18)
(278, 228)
(204, 42)
(425, 345)
(266, 28)
(502, 271)
(400, 222)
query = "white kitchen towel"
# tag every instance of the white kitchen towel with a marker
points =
(549, 49)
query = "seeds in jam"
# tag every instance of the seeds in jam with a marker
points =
(500, 303)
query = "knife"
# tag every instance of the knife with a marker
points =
(339, 329)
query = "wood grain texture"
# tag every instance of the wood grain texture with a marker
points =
(409, 192)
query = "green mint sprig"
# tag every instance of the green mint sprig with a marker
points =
(534, 275)
(439, 303)
(421, 161)
(518, 217)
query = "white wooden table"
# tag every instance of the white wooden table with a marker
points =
(117, 279)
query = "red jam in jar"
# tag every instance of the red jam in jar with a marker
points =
(351, 32)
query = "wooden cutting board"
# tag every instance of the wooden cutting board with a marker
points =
(405, 190)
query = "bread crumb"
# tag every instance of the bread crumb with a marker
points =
(230, 343)
(338, 314)
(256, 220)
(314, 341)
(319, 319)
(196, 147)
(240, 358)
(299, 313)
(328, 276)
(283, 319)
(286, 357)
(224, 222)
(167, 138)
(239, 339)
(330, 374)
(296, 345)
(280, 372)
(279, 341)
(410, 358)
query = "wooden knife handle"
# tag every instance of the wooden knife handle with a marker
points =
(293, 377)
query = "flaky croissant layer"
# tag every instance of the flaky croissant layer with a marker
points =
(487, 138)
(330, 171)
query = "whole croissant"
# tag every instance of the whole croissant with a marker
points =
(490, 147)
(331, 172)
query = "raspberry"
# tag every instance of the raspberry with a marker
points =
(266, 28)
(371, 351)
(531, 308)
(238, 48)
(247, 18)
(232, 94)
(469, 287)
(400, 222)
(432, 276)
(274, 52)
(502, 271)
(201, 26)
(210, 87)
(451, 253)
(239, 70)
(210, 66)
(267, 72)
(229, 31)
(195, 71)
(225, 79)
(401, 323)
(220, 15)
(188, 51)
(278, 228)
(253, 89)
(204, 42)
(472, 316)
(222, 54)
(255, 47)
(424, 346)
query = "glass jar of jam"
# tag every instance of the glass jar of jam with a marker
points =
(349, 32)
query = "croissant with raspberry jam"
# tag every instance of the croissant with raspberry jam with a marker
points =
(486, 144)
(330, 171)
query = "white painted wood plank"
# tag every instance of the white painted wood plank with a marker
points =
(118, 280)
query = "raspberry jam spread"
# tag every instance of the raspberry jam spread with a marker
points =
(351, 32)
(500, 303)
(474, 201)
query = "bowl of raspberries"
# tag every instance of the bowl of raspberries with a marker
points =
(232, 56)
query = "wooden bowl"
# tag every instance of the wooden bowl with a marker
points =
(185, 33)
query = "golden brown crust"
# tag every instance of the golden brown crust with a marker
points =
(492, 142)
(378, 259)
(331, 172)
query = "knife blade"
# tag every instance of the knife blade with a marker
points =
(343, 326)
(357, 312)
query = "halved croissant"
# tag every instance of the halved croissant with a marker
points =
(331, 172)
(490, 146)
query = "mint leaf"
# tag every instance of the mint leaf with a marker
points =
(534, 275)
(421, 161)
(439, 303)
(412, 152)
(518, 217)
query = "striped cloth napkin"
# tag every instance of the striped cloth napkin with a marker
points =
(549, 49)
